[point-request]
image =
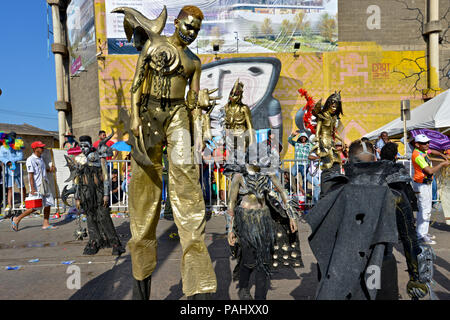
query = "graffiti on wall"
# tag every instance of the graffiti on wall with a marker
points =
(370, 90)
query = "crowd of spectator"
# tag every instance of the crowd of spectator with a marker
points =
(302, 174)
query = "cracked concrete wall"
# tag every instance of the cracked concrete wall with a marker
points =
(84, 97)
(394, 27)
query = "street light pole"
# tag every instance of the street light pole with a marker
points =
(237, 41)
(405, 115)
(432, 29)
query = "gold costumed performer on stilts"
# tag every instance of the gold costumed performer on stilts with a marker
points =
(161, 115)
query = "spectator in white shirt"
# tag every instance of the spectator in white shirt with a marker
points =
(37, 176)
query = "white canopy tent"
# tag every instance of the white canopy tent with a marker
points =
(433, 114)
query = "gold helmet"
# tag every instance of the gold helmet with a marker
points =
(237, 91)
(335, 99)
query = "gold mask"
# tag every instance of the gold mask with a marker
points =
(187, 29)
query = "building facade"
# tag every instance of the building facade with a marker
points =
(380, 48)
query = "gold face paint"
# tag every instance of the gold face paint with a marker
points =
(326, 134)
(238, 117)
(187, 29)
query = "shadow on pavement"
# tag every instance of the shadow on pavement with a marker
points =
(308, 284)
(440, 226)
(218, 251)
(66, 221)
(116, 283)
(442, 279)
(220, 254)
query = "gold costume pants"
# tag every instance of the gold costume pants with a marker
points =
(145, 191)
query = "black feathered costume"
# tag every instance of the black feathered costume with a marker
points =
(355, 225)
(266, 232)
(90, 187)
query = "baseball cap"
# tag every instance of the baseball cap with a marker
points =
(421, 138)
(37, 144)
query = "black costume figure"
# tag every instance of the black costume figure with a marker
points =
(355, 225)
(91, 190)
(264, 223)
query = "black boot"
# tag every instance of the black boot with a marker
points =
(142, 288)
(118, 249)
(91, 248)
(200, 296)
(244, 294)
(104, 243)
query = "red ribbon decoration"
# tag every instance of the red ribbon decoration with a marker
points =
(308, 107)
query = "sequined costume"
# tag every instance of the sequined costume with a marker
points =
(91, 190)
(238, 124)
(263, 221)
(325, 129)
(327, 117)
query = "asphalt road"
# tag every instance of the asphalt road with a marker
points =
(105, 277)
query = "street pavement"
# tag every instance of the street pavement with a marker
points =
(105, 277)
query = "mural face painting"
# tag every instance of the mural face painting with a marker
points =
(259, 76)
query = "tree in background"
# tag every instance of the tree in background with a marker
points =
(300, 24)
(328, 27)
(266, 28)
(286, 27)
(254, 31)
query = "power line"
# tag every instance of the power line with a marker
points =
(27, 114)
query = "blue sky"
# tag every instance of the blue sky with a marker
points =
(27, 76)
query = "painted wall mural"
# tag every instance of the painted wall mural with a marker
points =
(371, 81)
(259, 75)
(239, 26)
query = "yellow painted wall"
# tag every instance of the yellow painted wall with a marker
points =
(370, 89)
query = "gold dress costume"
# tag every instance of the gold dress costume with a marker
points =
(238, 123)
(327, 117)
(161, 115)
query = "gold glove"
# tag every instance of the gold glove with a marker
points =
(205, 101)
(416, 289)
(192, 100)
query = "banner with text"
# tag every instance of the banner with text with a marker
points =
(255, 26)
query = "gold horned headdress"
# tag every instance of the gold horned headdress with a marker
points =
(237, 91)
(139, 27)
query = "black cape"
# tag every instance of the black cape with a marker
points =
(351, 227)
